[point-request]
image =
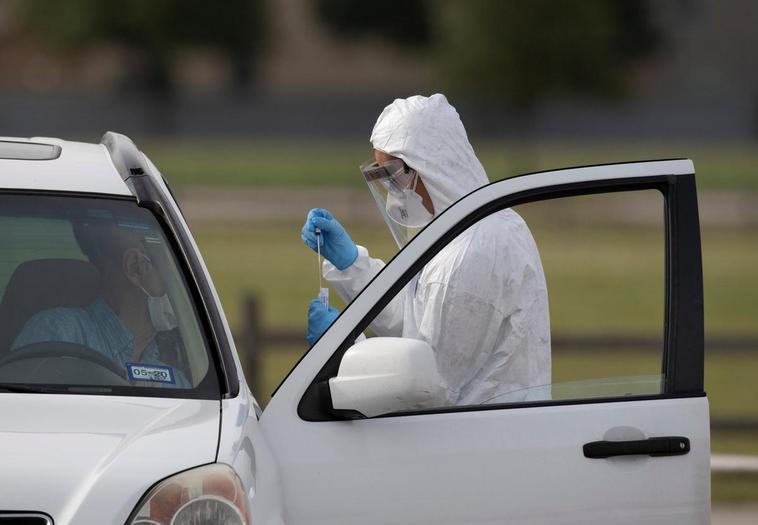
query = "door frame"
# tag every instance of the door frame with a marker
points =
(683, 355)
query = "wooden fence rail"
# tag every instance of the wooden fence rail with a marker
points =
(253, 340)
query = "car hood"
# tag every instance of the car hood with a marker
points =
(89, 459)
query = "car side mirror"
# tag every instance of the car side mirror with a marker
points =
(386, 374)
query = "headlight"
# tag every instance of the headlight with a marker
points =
(210, 495)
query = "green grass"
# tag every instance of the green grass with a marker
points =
(324, 164)
(734, 443)
(734, 488)
(730, 280)
(271, 262)
(600, 280)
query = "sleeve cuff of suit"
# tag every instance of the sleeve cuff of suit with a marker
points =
(361, 264)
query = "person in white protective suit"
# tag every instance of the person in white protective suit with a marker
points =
(481, 302)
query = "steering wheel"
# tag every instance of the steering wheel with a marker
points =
(63, 349)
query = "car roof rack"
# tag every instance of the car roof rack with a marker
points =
(129, 160)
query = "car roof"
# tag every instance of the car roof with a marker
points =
(75, 167)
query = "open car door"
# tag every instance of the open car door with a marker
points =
(628, 451)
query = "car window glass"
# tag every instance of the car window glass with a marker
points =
(92, 294)
(556, 300)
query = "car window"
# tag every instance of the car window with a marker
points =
(555, 300)
(93, 296)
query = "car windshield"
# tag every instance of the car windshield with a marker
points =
(94, 301)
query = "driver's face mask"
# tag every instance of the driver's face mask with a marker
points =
(393, 185)
(162, 315)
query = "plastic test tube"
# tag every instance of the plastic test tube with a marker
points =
(323, 296)
(323, 293)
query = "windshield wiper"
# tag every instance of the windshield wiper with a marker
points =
(31, 389)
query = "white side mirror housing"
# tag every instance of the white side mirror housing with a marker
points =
(387, 374)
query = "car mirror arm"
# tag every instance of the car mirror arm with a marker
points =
(319, 397)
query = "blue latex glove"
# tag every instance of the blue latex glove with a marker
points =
(319, 319)
(336, 244)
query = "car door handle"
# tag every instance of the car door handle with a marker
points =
(656, 446)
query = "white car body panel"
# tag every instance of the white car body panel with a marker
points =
(521, 465)
(89, 459)
(243, 446)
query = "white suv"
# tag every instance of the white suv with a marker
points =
(123, 400)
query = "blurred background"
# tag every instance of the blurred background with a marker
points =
(256, 111)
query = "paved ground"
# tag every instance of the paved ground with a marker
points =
(722, 514)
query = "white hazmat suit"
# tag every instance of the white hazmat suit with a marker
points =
(481, 302)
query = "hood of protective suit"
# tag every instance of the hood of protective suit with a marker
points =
(427, 133)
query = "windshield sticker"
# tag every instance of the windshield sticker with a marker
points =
(153, 240)
(157, 373)
(132, 223)
(102, 215)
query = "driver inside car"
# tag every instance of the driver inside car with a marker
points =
(131, 321)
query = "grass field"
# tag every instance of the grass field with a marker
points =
(588, 272)
(324, 164)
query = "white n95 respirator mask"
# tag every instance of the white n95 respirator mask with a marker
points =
(407, 208)
(393, 186)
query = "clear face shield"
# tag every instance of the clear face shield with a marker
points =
(393, 186)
